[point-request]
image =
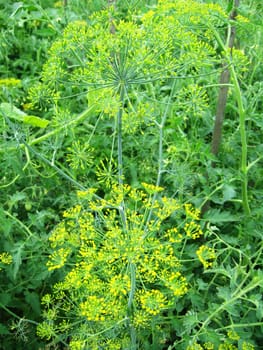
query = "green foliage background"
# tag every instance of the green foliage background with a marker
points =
(66, 84)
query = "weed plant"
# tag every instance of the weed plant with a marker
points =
(107, 164)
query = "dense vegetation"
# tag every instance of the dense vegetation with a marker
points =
(131, 174)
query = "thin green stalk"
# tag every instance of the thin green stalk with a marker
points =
(79, 118)
(160, 149)
(58, 170)
(11, 182)
(65, 5)
(161, 127)
(20, 223)
(130, 305)
(242, 124)
(254, 284)
(120, 159)
(119, 137)
(62, 173)
(133, 287)
(16, 316)
(240, 325)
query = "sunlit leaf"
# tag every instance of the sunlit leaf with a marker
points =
(13, 112)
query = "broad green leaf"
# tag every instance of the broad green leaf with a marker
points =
(234, 308)
(3, 329)
(45, 32)
(190, 321)
(228, 193)
(16, 197)
(5, 298)
(36, 121)
(201, 284)
(257, 119)
(32, 299)
(13, 112)
(216, 216)
(6, 226)
(213, 336)
(259, 312)
(17, 260)
(224, 293)
(219, 270)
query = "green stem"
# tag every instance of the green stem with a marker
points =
(11, 182)
(59, 171)
(223, 306)
(79, 118)
(120, 159)
(161, 127)
(241, 325)
(119, 137)
(130, 305)
(242, 124)
(16, 316)
(20, 223)
(160, 150)
(133, 286)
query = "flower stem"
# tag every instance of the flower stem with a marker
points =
(242, 123)
(119, 137)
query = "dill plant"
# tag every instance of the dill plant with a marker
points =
(122, 255)
(126, 255)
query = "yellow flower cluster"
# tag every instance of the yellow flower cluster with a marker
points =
(225, 346)
(233, 335)
(247, 346)
(192, 212)
(208, 346)
(94, 308)
(194, 346)
(173, 235)
(206, 255)
(176, 283)
(152, 189)
(45, 330)
(119, 285)
(158, 44)
(58, 259)
(10, 82)
(87, 194)
(194, 100)
(195, 11)
(193, 230)
(141, 319)
(46, 300)
(239, 60)
(242, 19)
(73, 212)
(152, 301)
(5, 259)
(169, 206)
(58, 4)
(102, 242)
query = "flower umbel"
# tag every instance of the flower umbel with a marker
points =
(124, 265)
(5, 259)
(206, 255)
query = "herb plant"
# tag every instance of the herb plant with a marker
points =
(123, 229)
